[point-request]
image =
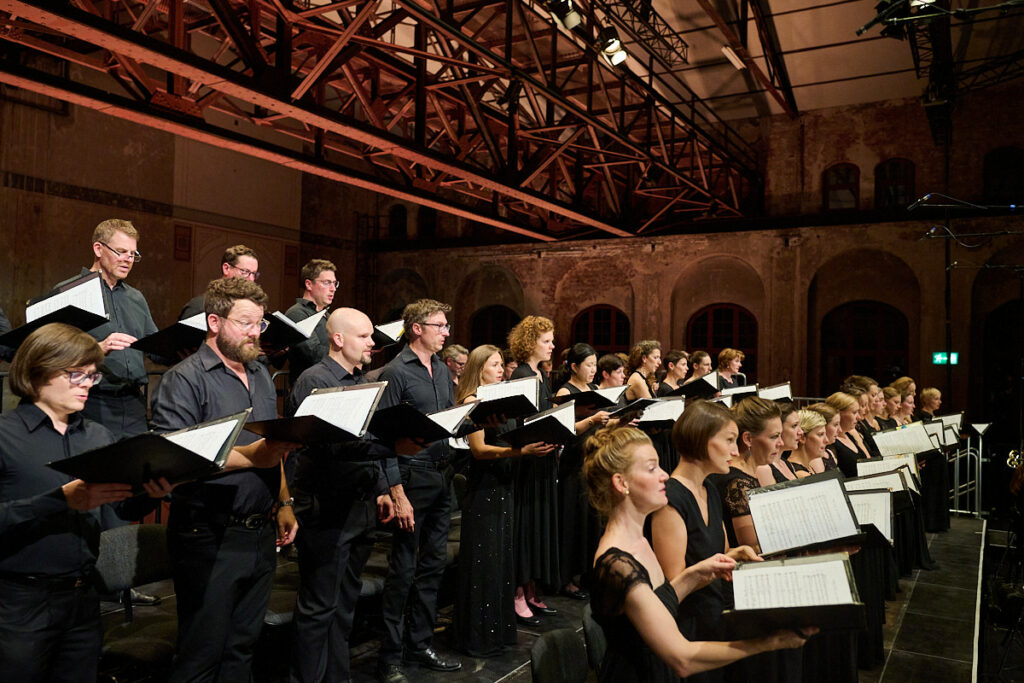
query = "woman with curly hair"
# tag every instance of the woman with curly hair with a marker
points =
(644, 361)
(531, 341)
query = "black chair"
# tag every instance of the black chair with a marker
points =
(130, 556)
(559, 656)
(593, 635)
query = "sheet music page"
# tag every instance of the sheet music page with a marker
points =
(889, 462)
(307, 325)
(565, 414)
(874, 507)
(711, 378)
(739, 392)
(776, 392)
(892, 481)
(346, 410)
(612, 393)
(278, 315)
(724, 400)
(955, 420)
(392, 330)
(796, 516)
(791, 585)
(526, 386)
(909, 481)
(197, 321)
(87, 296)
(204, 441)
(664, 409)
(911, 438)
(934, 430)
(449, 419)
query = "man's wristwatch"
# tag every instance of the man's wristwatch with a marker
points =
(287, 503)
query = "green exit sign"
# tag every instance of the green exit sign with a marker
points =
(943, 358)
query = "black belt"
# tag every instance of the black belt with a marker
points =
(251, 521)
(50, 582)
(436, 465)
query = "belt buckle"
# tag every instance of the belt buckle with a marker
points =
(79, 582)
(253, 522)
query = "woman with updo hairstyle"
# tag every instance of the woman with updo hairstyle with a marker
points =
(485, 601)
(931, 401)
(531, 341)
(578, 527)
(808, 458)
(849, 448)
(890, 408)
(831, 417)
(905, 414)
(760, 425)
(729, 363)
(792, 435)
(644, 361)
(677, 365)
(700, 365)
(905, 385)
(690, 528)
(632, 599)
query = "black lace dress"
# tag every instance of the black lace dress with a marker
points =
(536, 506)
(485, 619)
(700, 613)
(628, 658)
(578, 526)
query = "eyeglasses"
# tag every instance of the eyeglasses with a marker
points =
(328, 283)
(121, 254)
(442, 327)
(254, 274)
(77, 377)
(263, 324)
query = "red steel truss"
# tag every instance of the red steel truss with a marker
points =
(482, 108)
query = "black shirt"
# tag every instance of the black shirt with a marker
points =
(195, 305)
(202, 388)
(6, 352)
(409, 382)
(39, 533)
(129, 314)
(328, 469)
(307, 353)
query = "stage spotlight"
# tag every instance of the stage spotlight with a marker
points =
(610, 46)
(564, 14)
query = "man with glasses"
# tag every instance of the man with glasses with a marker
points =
(455, 357)
(237, 261)
(319, 283)
(221, 531)
(420, 492)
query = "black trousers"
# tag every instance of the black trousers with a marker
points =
(417, 563)
(333, 550)
(48, 635)
(222, 578)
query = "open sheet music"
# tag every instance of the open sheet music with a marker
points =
(806, 512)
(526, 386)
(794, 593)
(85, 294)
(450, 419)
(911, 438)
(702, 387)
(776, 392)
(555, 425)
(873, 506)
(391, 331)
(896, 480)
(183, 336)
(208, 440)
(348, 408)
(889, 462)
(665, 410)
(738, 393)
(507, 400)
(601, 399)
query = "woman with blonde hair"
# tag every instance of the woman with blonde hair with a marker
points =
(849, 448)
(632, 599)
(808, 458)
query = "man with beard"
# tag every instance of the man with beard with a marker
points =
(340, 491)
(221, 532)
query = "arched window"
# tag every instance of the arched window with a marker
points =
(426, 223)
(397, 229)
(863, 338)
(1004, 176)
(724, 326)
(490, 325)
(840, 187)
(604, 327)
(894, 183)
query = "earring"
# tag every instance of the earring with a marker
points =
(627, 492)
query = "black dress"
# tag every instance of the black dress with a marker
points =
(485, 618)
(848, 457)
(536, 506)
(732, 490)
(889, 423)
(829, 460)
(700, 612)
(628, 659)
(578, 527)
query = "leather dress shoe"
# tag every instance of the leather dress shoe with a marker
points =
(528, 621)
(578, 594)
(391, 673)
(432, 659)
(537, 609)
(139, 598)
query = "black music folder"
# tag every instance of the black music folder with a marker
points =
(326, 416)
(283, 331)
(78, 303)
(804, 514)
(512, 399)
(703, 387)
(662, 414)
(794, 593)
(186, 454)
(595, 399)
(184, 336)
(404, 421)
(387, 334)
(555, 425)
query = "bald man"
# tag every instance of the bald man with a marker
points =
(340, 491)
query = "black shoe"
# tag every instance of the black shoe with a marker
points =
(528, 621)
(391, 673)
(144, 599)
(537, 609)
(432, 659)
(578, 594)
